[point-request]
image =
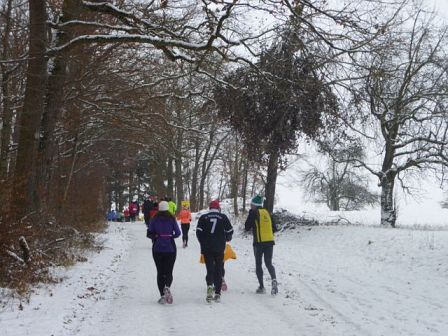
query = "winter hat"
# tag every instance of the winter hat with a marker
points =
(163, 206)
(257, 201)
(214, 204)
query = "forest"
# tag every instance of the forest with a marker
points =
(103, 102)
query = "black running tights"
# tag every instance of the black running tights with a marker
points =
(266, 251)
(214, 264)
(164, 264)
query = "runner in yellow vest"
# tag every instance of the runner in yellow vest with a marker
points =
(260, 222)
(172, 207)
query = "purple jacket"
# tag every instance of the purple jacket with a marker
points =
(162, 231)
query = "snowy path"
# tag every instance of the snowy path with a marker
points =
(334, 281)
(133, 309)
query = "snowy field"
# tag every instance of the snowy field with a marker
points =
(333, 280)
(421, 210)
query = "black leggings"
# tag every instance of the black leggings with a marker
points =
(164, 264)
(214, 264)
(147, 219)
(185, 229)
(267, 251)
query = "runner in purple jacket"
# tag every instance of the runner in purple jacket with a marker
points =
(162, 229)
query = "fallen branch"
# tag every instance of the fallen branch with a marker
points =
(26, 216)
(15, 256)
(50, 244)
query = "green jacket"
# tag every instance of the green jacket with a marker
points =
(172, 208)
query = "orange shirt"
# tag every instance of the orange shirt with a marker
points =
(184, 216)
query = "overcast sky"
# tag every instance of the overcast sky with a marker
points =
(441, 6)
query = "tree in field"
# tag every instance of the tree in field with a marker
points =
(336, 181)
(275, 105)
(402, 102)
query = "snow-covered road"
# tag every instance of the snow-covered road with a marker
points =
(333, 281)
(130, 306)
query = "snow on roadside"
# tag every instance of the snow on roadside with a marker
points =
(380, 281)
(55, 310)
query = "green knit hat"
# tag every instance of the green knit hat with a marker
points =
(257, 201)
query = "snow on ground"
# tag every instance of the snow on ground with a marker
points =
(56, 310)
(334, 280)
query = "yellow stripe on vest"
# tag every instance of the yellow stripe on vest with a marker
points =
(264, 227)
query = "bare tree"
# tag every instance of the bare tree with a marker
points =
(403, 98)
(336, 181)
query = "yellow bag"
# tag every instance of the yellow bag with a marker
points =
(229, 253)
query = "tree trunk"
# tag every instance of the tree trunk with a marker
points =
(333, 195)
(110, 199)
(388, 209)
(179, 181)
(169, 177)
(221, 187)
(54, 100)
(244, 191)
(334, 203)
(72, 168)
(202, 187)
(204, 170)
(131, 187)
(6, 129)
(271, 180)
(194, 178)
(139, 187)
(157, 172)
(178, 173)
(254, 182)
(387, 181)
(25, 193)
(207, 163)
(6, 126)
(234, 183)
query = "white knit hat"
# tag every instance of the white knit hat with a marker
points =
(163, 206)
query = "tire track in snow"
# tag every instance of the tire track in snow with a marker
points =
(304, 301)
(337, 312)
